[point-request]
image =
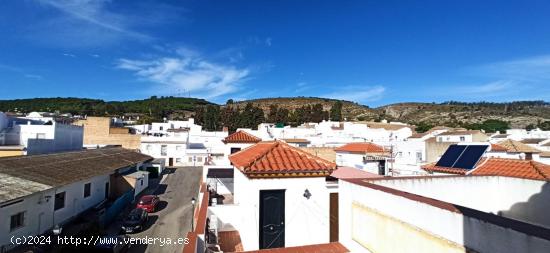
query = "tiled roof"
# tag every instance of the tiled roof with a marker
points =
(419, 135)
(323, 152)
(278, 159)
(497, 148)
(23, 175)
(349, 172)
(296, 140)
(513, 168)
(517, 147)
(241, 137)
(468, 132)
(333, 247)
(361, 147)
(532, 140)
(505, 167)
(545, 154)
(387, 126)
(432, 168)
(500, 136)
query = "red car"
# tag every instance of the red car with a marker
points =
(148, 203)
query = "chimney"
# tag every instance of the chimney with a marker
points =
(225, 129)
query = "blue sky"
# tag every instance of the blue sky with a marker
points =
(371, 52)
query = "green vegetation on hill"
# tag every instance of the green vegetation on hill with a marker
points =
(153, 108)
(296, 110)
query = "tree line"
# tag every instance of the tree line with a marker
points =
(214, 118)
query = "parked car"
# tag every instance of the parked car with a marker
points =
(113, 244)
(135, 221)
(148, 203)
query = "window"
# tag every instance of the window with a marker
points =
(199, 159)
(160, 128)
(41, 136)
(178, 147)
(178, 160)
(190, 159)
(87, 190)
(148, 148)
(59, 201)
(462, 138)
(235, 150)
(17, 221)
(141, 182)
(163, 150)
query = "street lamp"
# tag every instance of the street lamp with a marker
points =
(193, 201)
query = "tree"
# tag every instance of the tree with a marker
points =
(336, 111)
(229, 102)
(530, 127)
(491, 125)
(545, 126)
(422, 127)
(212, 118)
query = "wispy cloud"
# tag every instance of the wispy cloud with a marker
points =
(20, 72)
(187, 72)
(92, 23)
(358, 93)
(533, 69)
(69, 55)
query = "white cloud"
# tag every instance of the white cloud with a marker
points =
(187, 72)
(533, 69)
(358, 93)
(487, 89)
(69, 55)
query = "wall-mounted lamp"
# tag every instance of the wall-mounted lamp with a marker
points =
(307, 194)
(47, 198)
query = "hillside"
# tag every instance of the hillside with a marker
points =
(350, 110)
(518, 114)
(154, 107)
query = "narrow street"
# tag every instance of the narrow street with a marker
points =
(172, 220)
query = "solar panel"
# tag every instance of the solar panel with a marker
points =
(470, 157)
(451, 155)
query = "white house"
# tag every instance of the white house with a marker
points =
(238, 141)
(181, 143)
(40, 191)
(280, 198)
(365, 156)
(39, 135)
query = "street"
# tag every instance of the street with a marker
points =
(172, 220)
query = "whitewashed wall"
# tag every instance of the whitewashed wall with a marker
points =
(306, 220)
(39, 214)
(485, 193)
(436, 225)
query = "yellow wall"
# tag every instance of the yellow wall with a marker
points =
(97, 131)
(383, 234)
(5, 153)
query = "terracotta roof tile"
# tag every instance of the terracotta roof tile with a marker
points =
(333, 247)
(517, 147)
(349, 172)
(532, 140)
(361, 147)
(505, 167)
(513, 168)
(432, 168)
(296, 140)
(497, 148)
(241, 137)
(230, 241)
(467, 132)
(278, 159)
